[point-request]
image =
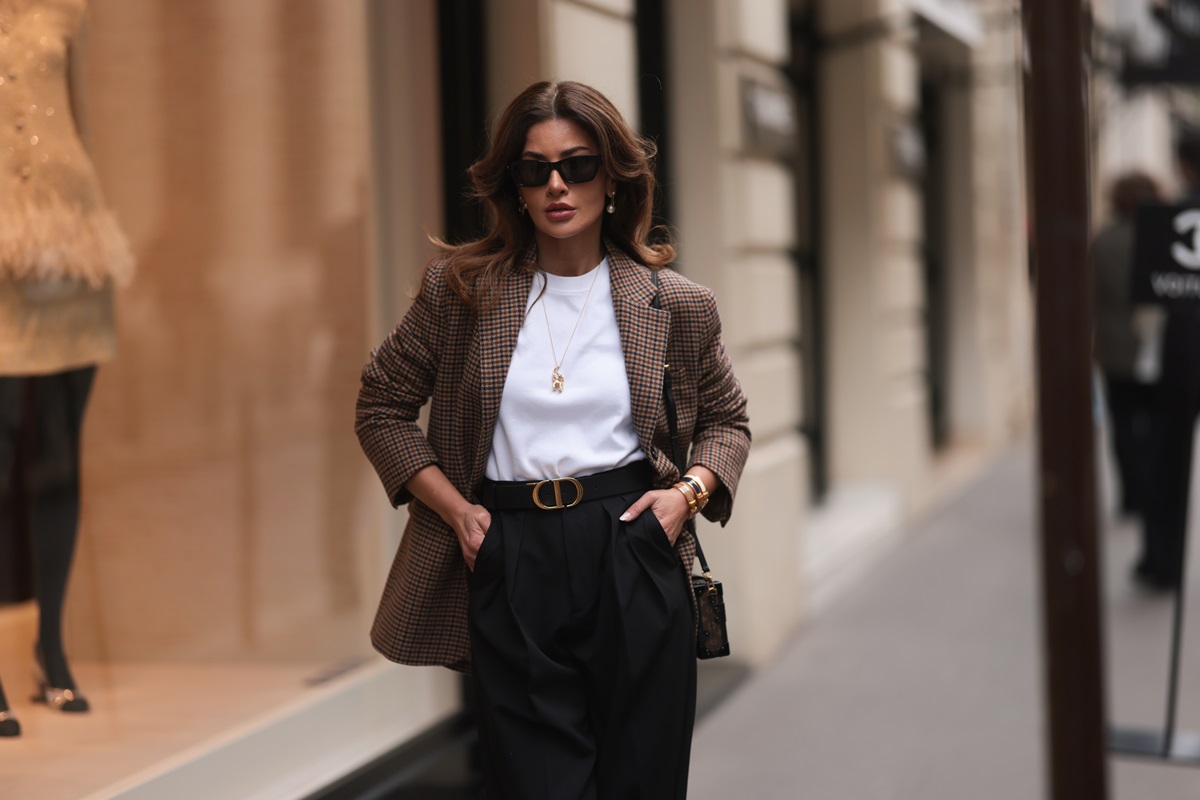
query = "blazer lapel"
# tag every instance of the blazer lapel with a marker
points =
(644, 333)
(495, 340)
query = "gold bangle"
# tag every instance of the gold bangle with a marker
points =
(701, 497)
(699, 489)
(689, 496)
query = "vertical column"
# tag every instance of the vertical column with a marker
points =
(878, 423)
(595, 42)
(1002, 293)
(1072, 634)
(592, 41)
(736, 222)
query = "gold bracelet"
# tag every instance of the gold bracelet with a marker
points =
(698, 489)
(701, 496)
(699, 484)
(690, 496)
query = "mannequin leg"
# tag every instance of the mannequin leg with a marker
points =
(10, 425)
(59, 402)
(10, 419)
(8, 723)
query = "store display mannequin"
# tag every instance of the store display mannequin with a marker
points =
(61, 253)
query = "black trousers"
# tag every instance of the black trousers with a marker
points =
(1131, 407)
(1175, 421)
(585, 669)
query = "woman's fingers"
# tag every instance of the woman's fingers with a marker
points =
(662, 504)
(635, 510)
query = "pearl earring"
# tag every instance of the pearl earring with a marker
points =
(612, 203)
(521, 207)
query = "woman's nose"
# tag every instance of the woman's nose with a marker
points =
(556, 183)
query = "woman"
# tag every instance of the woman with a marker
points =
(544, 543)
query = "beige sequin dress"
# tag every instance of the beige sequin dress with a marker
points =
(61, 251)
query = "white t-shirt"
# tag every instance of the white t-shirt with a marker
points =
(586, 428)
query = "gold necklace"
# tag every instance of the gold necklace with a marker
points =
(556, 377)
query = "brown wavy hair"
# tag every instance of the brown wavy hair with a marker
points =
(475, 270)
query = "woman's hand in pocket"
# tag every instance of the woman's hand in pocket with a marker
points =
(669, 507)
(471, 526)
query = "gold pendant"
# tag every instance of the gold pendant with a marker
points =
(556, 379)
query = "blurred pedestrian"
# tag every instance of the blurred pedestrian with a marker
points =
(544, 544)
(1161, 563)
(1124, 331)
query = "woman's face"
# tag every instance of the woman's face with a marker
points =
(559, 209)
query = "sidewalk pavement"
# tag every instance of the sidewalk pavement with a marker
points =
(922, 679)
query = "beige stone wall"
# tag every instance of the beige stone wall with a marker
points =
(593, 41)
(877, 399)
(736, 216)
(1003, 293)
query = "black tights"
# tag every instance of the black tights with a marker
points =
(41, 419)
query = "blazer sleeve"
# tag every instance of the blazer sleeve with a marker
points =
(721, 440)
(397, 381)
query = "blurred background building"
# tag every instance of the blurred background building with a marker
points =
(1142, 92)
(847, 176)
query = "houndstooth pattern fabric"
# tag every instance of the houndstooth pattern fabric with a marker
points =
(440, 353)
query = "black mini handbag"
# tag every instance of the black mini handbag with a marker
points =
(712, 635)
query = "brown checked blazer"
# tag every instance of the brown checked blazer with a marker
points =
(442, 353)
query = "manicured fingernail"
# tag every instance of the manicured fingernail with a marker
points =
(625, 517)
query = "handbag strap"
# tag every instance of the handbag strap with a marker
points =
(673, 429)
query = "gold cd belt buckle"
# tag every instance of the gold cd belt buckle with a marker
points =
(558, 498)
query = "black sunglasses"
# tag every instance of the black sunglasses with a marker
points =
(576, 169)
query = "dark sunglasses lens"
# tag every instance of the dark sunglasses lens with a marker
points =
(576, 169)
(531, 173)
(579, 169)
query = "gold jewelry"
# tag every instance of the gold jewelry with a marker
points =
(556, 377)
(698, 489)
(699, 484)
(689, 495)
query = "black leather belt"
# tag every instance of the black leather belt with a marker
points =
(556, 493)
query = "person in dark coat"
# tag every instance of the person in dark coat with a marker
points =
(1120, 330)
(1160, 566)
